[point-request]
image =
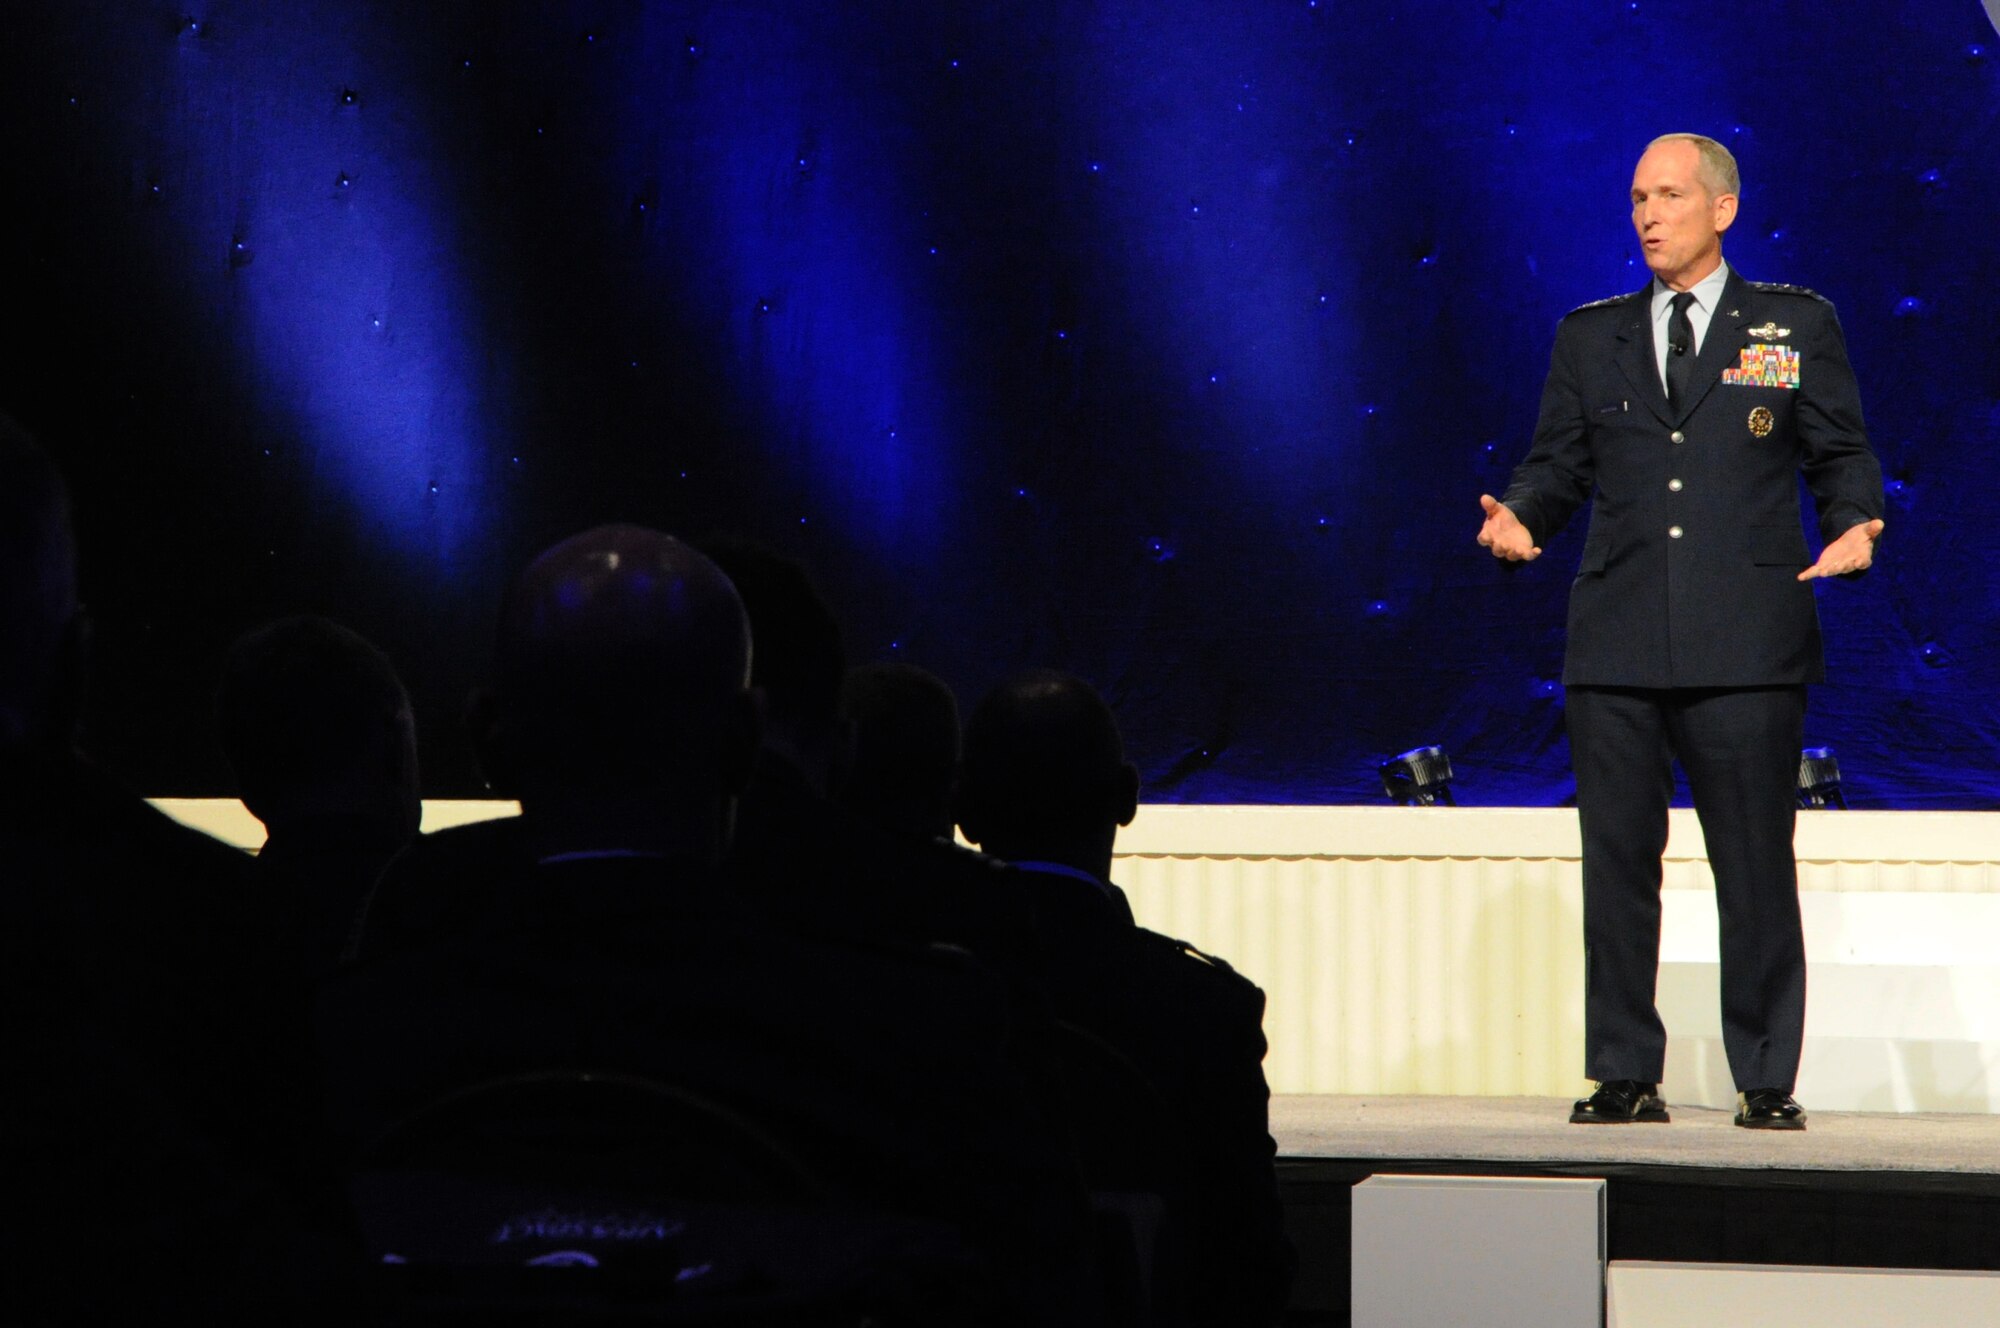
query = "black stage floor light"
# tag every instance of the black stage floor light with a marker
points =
(1420, 777)
(1819, 780)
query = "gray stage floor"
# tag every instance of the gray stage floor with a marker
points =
(1537, 1130)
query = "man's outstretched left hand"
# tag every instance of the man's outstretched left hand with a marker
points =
(1852, 552)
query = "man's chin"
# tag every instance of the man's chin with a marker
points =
(1669, 273)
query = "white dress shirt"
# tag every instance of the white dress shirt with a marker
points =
(1707, 294)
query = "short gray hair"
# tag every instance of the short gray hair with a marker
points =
(1718, 168)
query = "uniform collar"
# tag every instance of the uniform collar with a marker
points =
(1707, 292)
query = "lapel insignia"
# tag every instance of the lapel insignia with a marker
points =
(1770, 331)
(1761, 422)
(1761, 365)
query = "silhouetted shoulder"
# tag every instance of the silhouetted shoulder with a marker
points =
(440, 882)
(502, 840)
(182, 847)
(1196, 969)
(110, 834)
(978, 865)
(1202, 957)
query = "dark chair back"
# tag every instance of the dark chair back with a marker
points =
(586, 1197)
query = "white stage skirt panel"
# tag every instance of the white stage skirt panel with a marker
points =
(1439, 950)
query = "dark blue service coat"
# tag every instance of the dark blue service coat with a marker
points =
(1689, 572)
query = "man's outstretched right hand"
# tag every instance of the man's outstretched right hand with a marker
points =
(1504, 534)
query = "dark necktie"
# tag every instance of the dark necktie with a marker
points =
(1680, 353)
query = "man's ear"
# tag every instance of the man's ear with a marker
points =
(1126, 805)
(1725, 212)
(492, 741)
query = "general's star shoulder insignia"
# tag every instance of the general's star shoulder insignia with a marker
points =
(1770, 330)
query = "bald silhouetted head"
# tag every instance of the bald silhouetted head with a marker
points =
(624, 665)
(1044, 775)
(905, 764)
(38, 608)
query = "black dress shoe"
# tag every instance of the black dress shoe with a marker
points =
(1620, 1102)
(1769, 1109)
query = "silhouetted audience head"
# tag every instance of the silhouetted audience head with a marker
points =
(317, 725)
(39, 622)
(800, 660)
(905, 733)
(1044, 775)
(623, 666)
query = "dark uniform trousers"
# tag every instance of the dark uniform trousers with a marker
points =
(1740, 749)
(1691, 636)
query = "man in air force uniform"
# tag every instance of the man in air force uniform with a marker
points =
(1683, 413)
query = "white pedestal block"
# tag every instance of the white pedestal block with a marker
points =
(1500, 1252)
(1672, 1295)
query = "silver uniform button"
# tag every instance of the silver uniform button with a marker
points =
(1674, 485)
(1677, 437)
(1673, 532)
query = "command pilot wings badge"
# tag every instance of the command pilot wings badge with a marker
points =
(1770, 331)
